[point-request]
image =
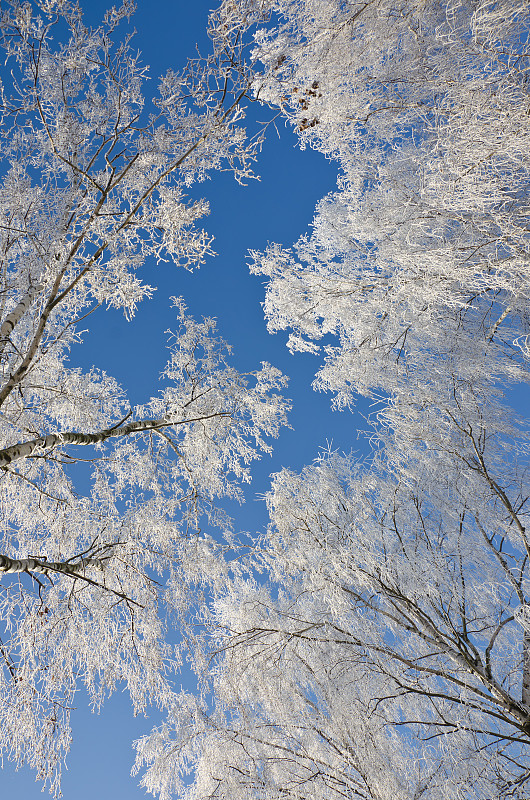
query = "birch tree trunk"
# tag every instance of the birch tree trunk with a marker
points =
(526, 670)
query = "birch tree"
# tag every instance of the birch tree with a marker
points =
(424, 108)
(384, 652)
(93, 184)
(384, 660)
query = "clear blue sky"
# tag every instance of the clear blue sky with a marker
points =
(278, 208)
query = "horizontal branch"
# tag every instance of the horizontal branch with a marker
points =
(25, 449)
(9, 565)
(72, 570)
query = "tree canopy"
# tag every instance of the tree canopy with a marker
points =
(374, 643)
(93, 184)
(386, 653)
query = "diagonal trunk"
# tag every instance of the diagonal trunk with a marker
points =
(18, 312)
(526, 669)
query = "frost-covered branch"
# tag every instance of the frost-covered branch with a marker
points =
(10, 565)
(46, 443)
(388, 651)
(94, 185)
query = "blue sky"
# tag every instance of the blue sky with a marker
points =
(278, 208)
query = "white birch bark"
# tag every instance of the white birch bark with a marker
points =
(16, 452)
(26, 449)
(13, 565)
(14, 317)
(526, 670)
